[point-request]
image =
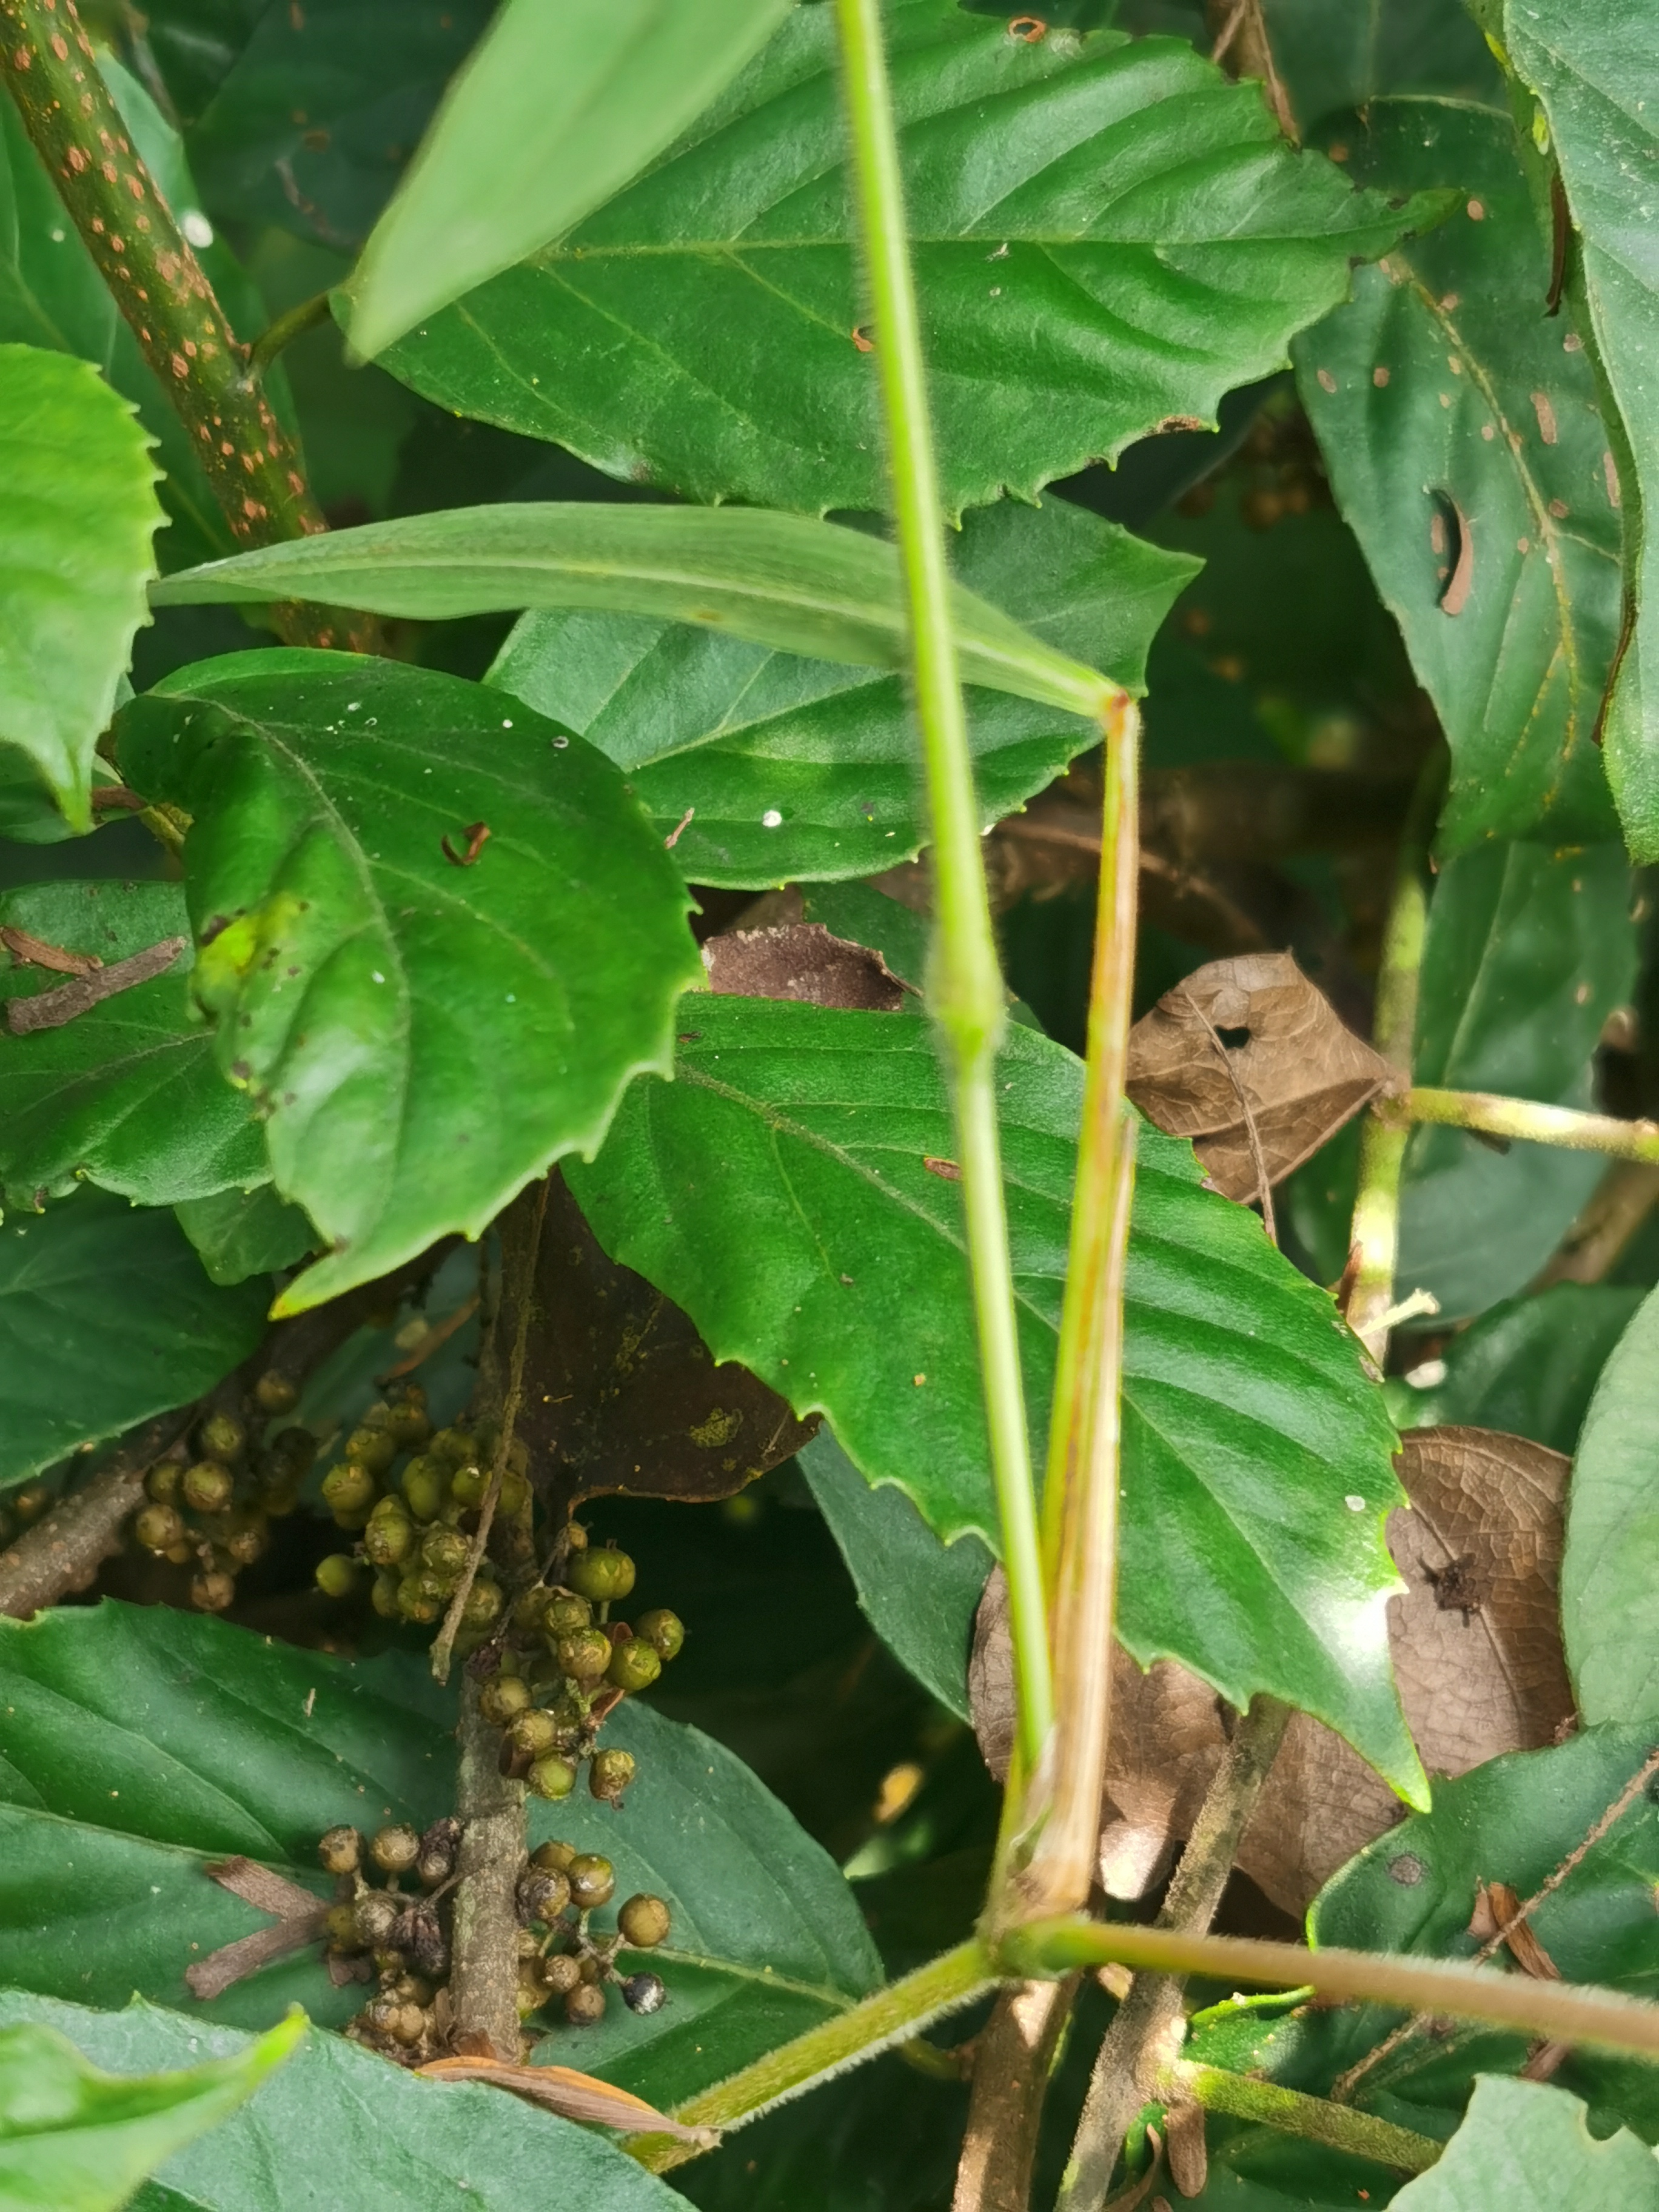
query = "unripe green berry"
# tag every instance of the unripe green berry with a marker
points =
(453, 1447)
(592, 1879)
(552, 1777)
(554, 1859)
(337, 1575)
(585, 2006)
(373, 1448)
(634, 1664)
(221, 1437)
(533, 1733)
(212, 1592)
(561, 1974)
(383, 1595)
(395, 1848)
(163, 1482)
(348, 1490)
(159, 1527)
(609, 1774)
(274, 1394)
(341, 1851)
(425, 1484)
(575, 1538)
(30, 1502)
(483, 1608)
(444, 1550)
(503, 1698)
(515, 1496)
(389, 1536)
(417, 1603)
(407, 1419)
(246, 1539)
(468, 1483)
(644, 1922)
(530, 1995)
(604, 1576)
(663, 1631)
(584, 1655)
(564, 1613)
(340, 1926)
(208, 1487)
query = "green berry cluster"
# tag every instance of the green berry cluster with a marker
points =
(564, 1663)
(562, 1960)
(393, 1936)
(415, 1521)
(213, 1511)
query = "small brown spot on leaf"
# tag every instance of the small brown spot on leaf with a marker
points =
(1379, 377)
(947, 1170)
(1027, 29)
(1477, 211)
(1544, 409)
(1327, 381)
(862, 339)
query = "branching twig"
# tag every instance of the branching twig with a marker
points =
(1339, 2127)
(1013, 2055)
(50, 1010)
(64, 1550)
(1520, 1120)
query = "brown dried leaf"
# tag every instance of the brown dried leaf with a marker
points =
(801, 961)
(1251, 1032)
(1476, 1643)
(300, 1920)
(574, 2096)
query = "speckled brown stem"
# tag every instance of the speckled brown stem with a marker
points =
(255, 472)
(483, 1982)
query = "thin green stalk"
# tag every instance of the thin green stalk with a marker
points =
(1494, 1116)
(965, 983)
(893, 2015)
(1339, 2127)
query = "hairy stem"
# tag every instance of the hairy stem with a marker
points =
(255, 473)
(483, 1981)
(965, 983)
(1484, 1111)
(1137, 2042)
(1013, 2055)
(1339, 2127)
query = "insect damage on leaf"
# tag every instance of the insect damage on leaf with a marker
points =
(802, 961)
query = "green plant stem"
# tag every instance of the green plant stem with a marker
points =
(1339, 2127)
(1558, 2011)
(965, 991)
(1494, 1116)
(256, 474)
(279, 335)
(892, 2015)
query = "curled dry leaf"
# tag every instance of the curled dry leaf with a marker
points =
(801, 960)
(574, 2096)
(1476, 1643)
(1251, 1032)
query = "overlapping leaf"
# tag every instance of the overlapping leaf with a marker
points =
(1524, 2146)
(241, 1233)
(126, 1095)
(1105, 234)
(105, 1317)
(793, 1190)
(1460, 426)
(423, 1034)
(1609, 1586)
(1527, 1366)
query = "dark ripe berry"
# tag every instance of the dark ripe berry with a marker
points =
(604, 1576)
(374, 1449)
(340, 1926)
(383, 1596)
(420, 1940)
(221, 1437)
(644, 1922)
(453, 1448)
(437, 1848)
(583, 1656)
(294, 1452)
(376, 1916)
(425, 1485)
(585, 2006)
(663, 1631)
(552, 1777)
(561, 1974)
(542, 1896)
(337, 1575)
(158, 1528)
(274, 1394)
(246, 1539)
(212, 1592)
(208, 1487)
(341, 1851)
(389, 1537)
(644, 1993)
(532, 1732)
(634, 1664)
(554, 1859)
(395, 1848)
(503, 1698)
(564, 1613)
(593, 1881)
(609, 1774)
(444, 1550)
(482, 1607)
(29, 1503)
(163, 1482)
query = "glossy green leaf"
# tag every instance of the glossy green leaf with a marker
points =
(793, 1190)
(1105, 234)
(147, 1741)
(919, 1595)
(238, 1233)
(783, 581)
(1595, 72)
(792, 767)
(77, 512)
(76, 2139)
(105, 1317)
(1529, 951)
(1524, 2146)
(1460, 427)
(1528, 1367)
(1339, 59)
(126, 1095)
(338, 2125)
(1610, 1575)
(555, 110)
(463, 1026)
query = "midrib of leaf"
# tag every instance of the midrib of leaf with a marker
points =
(735, 1970)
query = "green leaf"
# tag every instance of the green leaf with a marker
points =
(1105, 234)
(1333, 58)
(105, 1317)
(1528, 1367)
(1596, 75)
(1529, 951)
(1524, 2146)
(126, 1095)
(737, 735)
(74, 2139)
(919, 1595)
(784, 580)
(1459, 424)
(147, 1742)
(1610, 1574)
(780, 1190)
(242, 1233)
(77, 512)
(340, 2126)
(555, 109)
(463, 1026)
